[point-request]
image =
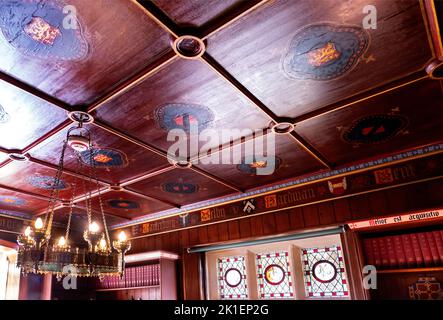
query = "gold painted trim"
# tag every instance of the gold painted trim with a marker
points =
(7, 231)
(132, 84)
(297, 206)
(155, 19)
(286, 188)
(366, 97)
(16, 218)
(231, 21)
(425, 17)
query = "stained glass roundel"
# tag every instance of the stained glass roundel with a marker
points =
(274, 274)
(324, 271)
(233, 277)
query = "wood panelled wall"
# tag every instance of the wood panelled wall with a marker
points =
(392, 201)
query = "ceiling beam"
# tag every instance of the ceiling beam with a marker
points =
(216, 179)
(230, 145)
(216, 67)
(146, 176)
(66, 171)
(147, 72)
(47, 136)
(372, 93)
(311, 150)
(157, 151)
(31, 194)
(230, 18)
(231, 80)
(158, 16)
(128, 138)
(35, 92)
(144, 196)
(107, 213)
(433, 27)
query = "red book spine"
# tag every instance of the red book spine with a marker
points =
(425, 249)
(377, 257)
(158, 274)
(439, 243)
(138, 276)
(367, 245)
(144, 275)
(383, 252)
(409, 251)
(433, 247)
(392, 257)
(133, 283)
(399, 251)
(417, 249)
(121, 281)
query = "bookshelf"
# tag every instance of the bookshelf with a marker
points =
(404, 257)
(148, 276)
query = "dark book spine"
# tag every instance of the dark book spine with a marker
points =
(383, 252)
(392, 257)
(417, 249)
(439, 243)
(399, 251)
(369, 251)
(433, 247)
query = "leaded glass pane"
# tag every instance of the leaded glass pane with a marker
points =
(232, 278)
(324, 272)
(274, 275)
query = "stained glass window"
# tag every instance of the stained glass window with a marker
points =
(232, 278)
(274, 275)
(324, 272)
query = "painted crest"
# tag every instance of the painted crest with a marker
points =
(375, 129)
(249, 205)
(337, 186)
(123, 204)
(12, 201)
(205, 215)
(426, 288)
(47, 183)
(184, 219)
(384, 176)
(104, 158)
(251, 167)
(35, 28)
(325, 51)
(182, 116)
(180, 187)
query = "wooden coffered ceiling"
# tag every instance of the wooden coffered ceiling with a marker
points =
(352, 93)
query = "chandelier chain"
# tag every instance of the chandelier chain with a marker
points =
(55, 192)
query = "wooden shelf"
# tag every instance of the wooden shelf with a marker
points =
(128, 288)
(410, 270)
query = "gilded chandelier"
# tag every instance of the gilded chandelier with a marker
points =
(38, 254)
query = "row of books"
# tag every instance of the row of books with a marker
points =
(140, 276)
(415, 250)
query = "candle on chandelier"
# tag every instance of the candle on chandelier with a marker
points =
(61, 241)
(38, 224)
(93, 227)
(122, 236)
(28, 231)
